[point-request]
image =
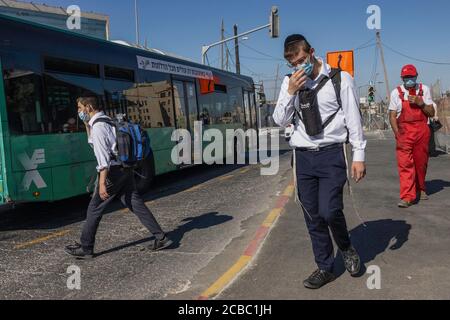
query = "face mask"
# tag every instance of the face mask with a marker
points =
(84, 116)
(410, 83)
(307, 66)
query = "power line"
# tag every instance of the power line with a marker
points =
(365, 44)
(416, 59)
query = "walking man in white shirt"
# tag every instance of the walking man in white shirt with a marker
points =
(114, 181)
(324, 113)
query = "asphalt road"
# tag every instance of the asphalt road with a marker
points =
(211, 212)
(409, 246)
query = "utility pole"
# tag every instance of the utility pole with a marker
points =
(276, 83)
(222, 37)
(136, 12)
(236, 44)
(227, 62)
(380, 46)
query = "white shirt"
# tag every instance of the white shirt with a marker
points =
(396, 102)
(336, 132)
(103, 140)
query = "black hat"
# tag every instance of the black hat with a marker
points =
(294, 38)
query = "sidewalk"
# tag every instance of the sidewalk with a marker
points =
(410, 246)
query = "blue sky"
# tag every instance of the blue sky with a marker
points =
(416, 28)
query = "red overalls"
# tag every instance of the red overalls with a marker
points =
(412, 147)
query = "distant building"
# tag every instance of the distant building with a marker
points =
(92, 24)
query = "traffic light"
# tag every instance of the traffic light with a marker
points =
(274, 23)
(371, 94)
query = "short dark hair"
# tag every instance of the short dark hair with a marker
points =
(90, 100)
(293, 44)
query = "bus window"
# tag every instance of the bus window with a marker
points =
(248, 121)
(23, 96)
(235, 104)
(151, 101)
(61, 95)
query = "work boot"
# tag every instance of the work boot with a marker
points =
(352, 261)
(318, 279)
(404, 204)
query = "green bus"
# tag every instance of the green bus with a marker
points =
(44, 155)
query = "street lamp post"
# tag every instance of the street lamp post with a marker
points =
(274, 31)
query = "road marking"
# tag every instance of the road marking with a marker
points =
(274, 214)
(244, 170)
(42, 239)
(226, 177)
(252, 249)
(289, 191)
(226, 278)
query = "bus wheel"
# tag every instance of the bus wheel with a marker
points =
(145, 175)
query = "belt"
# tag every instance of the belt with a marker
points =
(318, 149)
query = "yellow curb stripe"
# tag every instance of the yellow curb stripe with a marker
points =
(274, 214)
(289, 191)
(244, 260)
(43, 239)
(227, 277)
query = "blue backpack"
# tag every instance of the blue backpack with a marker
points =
(133, 143)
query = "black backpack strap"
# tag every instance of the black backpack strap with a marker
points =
(336, 79)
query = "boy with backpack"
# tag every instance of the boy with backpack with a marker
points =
(320, 106)
(117, 152)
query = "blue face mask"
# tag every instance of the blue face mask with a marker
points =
(84, 116)
(410, 82)
(308, 67)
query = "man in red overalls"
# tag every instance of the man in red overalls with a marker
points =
(411, 106)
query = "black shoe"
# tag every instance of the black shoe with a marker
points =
(352, 261)
(318, 279)
(161, 244)
(76, 250)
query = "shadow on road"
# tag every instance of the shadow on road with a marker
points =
(374, 239)
(204, 221)
(59, 214)
(436, 186)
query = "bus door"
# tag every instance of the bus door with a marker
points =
(186, 107)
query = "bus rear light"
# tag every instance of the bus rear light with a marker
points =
(36, 194)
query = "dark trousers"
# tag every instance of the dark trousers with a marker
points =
(120, 184)
(321, 177)
(432, 147)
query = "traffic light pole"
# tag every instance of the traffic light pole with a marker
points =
(274, 27)
(205, 49)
